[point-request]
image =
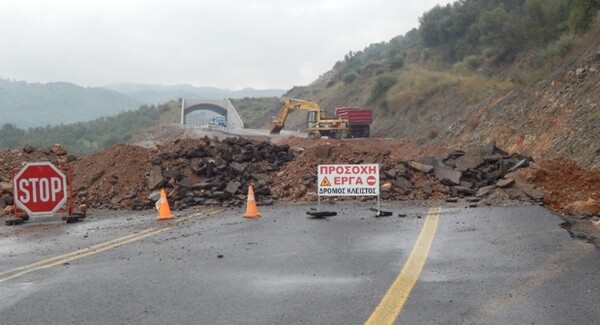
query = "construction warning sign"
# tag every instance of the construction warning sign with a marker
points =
(348, 180)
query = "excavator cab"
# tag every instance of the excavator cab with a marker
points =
(312, 120)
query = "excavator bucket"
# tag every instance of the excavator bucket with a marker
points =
(276, 129)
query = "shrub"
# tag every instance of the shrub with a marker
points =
(397, 63)
(472, 62)
(382, 84)
(557, 49)
(349, 77)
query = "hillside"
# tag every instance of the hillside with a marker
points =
(35, 104)
(557, 116)
(534, 93)
(522, 73)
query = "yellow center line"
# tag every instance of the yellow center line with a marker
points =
(392, 302)
(62, 259)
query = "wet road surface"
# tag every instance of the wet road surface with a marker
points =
(211, 266)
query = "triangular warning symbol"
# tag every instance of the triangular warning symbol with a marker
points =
(325, 182)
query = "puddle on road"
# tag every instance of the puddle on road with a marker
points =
(281, 284)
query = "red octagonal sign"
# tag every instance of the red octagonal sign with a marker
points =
(40, 188)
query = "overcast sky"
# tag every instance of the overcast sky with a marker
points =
(220, 43)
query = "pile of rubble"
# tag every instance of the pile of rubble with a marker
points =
(193, 172)
(209, 171)
(473, 176)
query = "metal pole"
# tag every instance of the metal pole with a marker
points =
(319, 202)
(182, 110)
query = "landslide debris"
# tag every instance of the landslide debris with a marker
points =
(210, 171)
(193, 171)
(564, 182)
(474, 176)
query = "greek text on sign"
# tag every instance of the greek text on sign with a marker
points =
(348, 180)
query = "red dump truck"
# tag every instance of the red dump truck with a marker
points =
(359, 120)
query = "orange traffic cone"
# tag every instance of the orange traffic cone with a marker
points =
(162, 205)
(251, 210)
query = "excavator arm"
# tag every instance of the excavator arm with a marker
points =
(289, 105)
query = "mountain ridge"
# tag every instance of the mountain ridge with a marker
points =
(33, 104)
(45, 104)
(159, 94)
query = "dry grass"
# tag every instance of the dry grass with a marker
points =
(416, 85)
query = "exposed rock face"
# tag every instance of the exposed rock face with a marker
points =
(552, 118)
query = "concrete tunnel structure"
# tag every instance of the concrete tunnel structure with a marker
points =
(219, 106)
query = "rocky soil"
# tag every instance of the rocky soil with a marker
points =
(555, 117)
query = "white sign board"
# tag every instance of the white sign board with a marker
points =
(348, 180)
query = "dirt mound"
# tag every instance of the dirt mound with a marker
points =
(563, 182)
(113, 177)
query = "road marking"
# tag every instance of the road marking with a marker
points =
(392, 302)
(66, 258)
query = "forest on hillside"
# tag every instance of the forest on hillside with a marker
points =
(472, 31)
(83, 138)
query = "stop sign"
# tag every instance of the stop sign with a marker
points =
(40, 188)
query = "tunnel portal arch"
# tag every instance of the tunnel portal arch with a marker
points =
(220, 107)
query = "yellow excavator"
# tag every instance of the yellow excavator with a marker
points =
(317, 122)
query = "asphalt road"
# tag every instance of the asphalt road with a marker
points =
(504, 265)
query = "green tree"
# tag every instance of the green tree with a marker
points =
(501, 31)
(545, 19)
(434, 24)
(582, 14)
(11, 136)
